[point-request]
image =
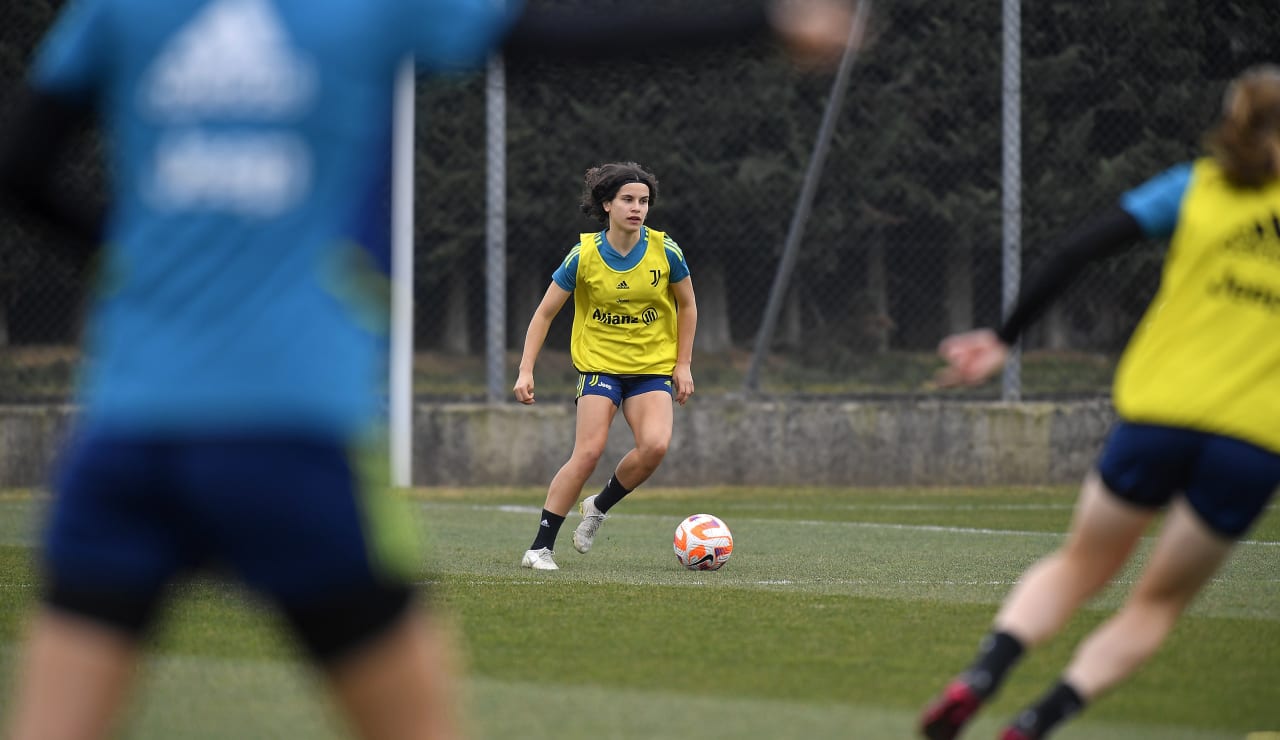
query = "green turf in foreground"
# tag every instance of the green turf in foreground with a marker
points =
(839, 614)
(214, 699)
(830, 651)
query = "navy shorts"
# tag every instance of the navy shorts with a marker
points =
(291, 517)
(1228, 482)
(618, 388)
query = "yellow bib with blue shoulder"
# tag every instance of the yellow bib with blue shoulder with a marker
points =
(1206, 355)
(624, 321)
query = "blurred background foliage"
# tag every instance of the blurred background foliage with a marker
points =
(903, 243)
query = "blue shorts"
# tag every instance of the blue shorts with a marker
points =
(618, 388)
(1227, 482)
(290, 516)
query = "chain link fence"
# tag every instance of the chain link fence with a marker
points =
(903, 242)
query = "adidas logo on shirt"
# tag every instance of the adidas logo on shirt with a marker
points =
(234, 58)
(623, 285)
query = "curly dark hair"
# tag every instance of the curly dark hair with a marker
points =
(601, 184)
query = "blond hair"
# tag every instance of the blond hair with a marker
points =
(1246, 139)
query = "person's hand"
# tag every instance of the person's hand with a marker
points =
(682, 379)
(816, 32)
(524, 387)
(972, 357)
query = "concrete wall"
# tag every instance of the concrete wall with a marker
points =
(29, 439)
(716, 442)
(780, 443)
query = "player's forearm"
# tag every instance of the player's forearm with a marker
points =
(1105, 235)
(686, 327)
(545, 33)
(534, 338)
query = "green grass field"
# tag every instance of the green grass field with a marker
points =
(839, 614)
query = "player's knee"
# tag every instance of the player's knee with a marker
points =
(1167, 597)
(654, 450)
(337, 627)
(586, 457)
(1093, 560)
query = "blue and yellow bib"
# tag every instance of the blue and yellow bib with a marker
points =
(1206, 355)
(624, 321)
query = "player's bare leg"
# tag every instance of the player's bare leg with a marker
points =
(595, 414)
(1186, 556)
(1104, 531)
(401, 686)
(651, 417)
(72, 680)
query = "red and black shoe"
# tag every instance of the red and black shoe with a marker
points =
(946, 715)
(1023, 727)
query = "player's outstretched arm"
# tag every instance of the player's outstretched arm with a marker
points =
(1108, 233)
(814, 32)
(974, 356)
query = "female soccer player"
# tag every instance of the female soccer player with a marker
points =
(1198, 398)
(633, 324)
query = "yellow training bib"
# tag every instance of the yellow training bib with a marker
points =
(624, 322)
(1207, 353)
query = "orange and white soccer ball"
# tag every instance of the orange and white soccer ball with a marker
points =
(703, 542)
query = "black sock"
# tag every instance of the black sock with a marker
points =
(548, 529)
(997, 653)
(1059, 704)
(612, 494)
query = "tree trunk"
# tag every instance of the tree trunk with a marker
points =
(713, 309)
(456, 338)
(880, 324)
(526, 295)
(1057, 330)
(959, 290)
(791, 326)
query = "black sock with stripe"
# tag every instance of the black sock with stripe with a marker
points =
(1059, 704)
(548, 530)
(997, 654)
(611, 494)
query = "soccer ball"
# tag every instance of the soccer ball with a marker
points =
(703, 542)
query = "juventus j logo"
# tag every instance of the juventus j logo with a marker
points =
(656, 275)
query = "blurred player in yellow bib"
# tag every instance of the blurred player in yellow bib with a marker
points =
(1198, 399)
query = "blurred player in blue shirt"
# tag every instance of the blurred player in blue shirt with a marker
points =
(230, 392)
(232, 373)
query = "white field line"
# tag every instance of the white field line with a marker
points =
(802, 581)
(931, 507)
(533, 510)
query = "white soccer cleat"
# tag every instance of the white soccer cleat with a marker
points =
(539, 560)
(592, 518)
